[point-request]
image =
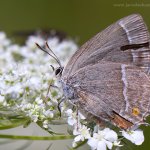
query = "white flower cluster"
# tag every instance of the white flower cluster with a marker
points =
(100, 139)
(25, 75)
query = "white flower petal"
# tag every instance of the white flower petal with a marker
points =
(126, 135)
(69, 112)
(74, 144)
(78, 138)
(135, 137)
(49, 114)
(111, 136)
(71, 121)
(76, 131)
(92, 142)
(95, 135)
(106, 130)
(96, 128)
(101, 145)
(81, 116)
(109, 144)
(138, 137)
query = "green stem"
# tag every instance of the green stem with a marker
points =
(19, 137)
(80, 144)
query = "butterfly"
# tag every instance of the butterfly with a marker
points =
(108, 77)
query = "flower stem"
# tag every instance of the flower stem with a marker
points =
(20, 137)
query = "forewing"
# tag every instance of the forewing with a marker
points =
(126, 41)
(113, 87)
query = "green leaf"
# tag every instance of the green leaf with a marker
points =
(4, 126)
(9, 121)
(27, 123)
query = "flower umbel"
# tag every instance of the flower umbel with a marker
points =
(82, 133)
(103, 139)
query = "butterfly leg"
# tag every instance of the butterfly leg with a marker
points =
(50, 85)
(58, 106)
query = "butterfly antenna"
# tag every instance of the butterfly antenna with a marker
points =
(44, 50)
(53, 53)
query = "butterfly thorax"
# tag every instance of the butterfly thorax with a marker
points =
(68, 91)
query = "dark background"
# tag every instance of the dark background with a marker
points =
(78, 18)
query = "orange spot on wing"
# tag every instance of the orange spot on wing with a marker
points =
(135, 111)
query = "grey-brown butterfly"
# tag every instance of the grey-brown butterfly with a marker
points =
(108, 77)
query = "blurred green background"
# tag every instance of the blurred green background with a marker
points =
(80, 19)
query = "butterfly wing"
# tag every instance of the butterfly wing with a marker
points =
(126, 41)
(107, 89)
(89, 106)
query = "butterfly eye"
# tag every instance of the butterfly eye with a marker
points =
(58, 71)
